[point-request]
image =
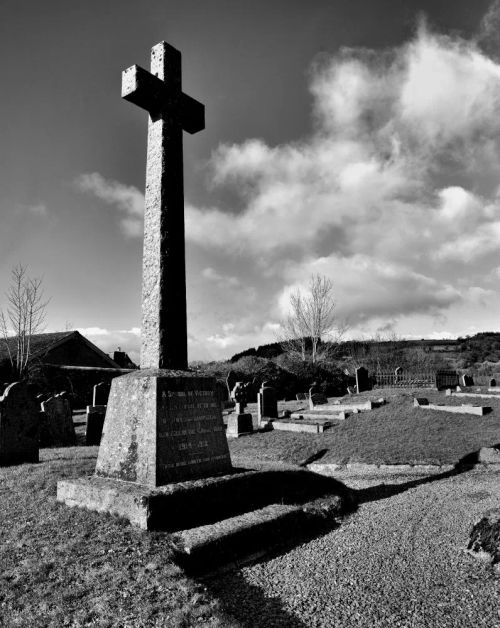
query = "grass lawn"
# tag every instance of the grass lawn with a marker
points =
(396, 433)
(63, 566)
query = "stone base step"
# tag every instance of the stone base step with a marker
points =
(251, 536)
(195, 503)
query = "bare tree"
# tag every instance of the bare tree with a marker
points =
(310, 330)
(23, 317)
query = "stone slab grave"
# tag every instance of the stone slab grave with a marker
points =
(422, 402)
(19, 423)
(164, 461)
(56, 423)
(476, 395)
(267, 405)
(306, 426)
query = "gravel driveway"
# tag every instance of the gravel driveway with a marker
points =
(398, 561)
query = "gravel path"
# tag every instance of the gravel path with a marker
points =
(399, 561)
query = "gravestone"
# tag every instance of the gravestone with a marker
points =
(301, 396)
(493, 382)
(56, 425)
(446, 379)
(466, 380)
(316, 398)
(94, 424)
(362, 380)
(163, 423)
(240, 423)
(101, 393)
(267, 404)
(18, 425)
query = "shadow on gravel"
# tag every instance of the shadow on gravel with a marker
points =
(384, 491)
(247, 604)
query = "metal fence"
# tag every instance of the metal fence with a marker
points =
(415, 379)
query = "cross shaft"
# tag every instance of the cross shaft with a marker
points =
(164, 318)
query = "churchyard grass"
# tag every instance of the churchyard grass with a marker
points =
(395, 433)
(63, 566)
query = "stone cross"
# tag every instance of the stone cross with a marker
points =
(164, 324)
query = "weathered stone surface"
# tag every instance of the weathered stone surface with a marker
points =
(101, 393)
(362, 379)
(18, 425)
(162, 426)
(94, 424)
(164, 327)
(56, 426)
(489, 455)
(485, 537)
(239, 424)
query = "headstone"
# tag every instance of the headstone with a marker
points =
(446, 379)
(163, 423)
(466, 380)
(56, 426)
(18, 425)
(240, 423)
(267, 404)
(316, 398)
(101, 394)
(420, 401)
(493, 382)
(362, 380)
(397, 374)
(94, 424)
(301, 396)
(351, 390)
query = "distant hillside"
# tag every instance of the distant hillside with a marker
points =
(483, 347)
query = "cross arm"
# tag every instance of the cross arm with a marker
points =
(192, 114)
(143, 89)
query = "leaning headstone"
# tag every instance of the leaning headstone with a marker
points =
(267, 404)
(163, 423)
(101, 394)
(362, 380)
(94, 424)
(57, 427)
(240, 423)
(18, 425)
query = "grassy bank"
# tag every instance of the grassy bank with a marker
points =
(395, 433)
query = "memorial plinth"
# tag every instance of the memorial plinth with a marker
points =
(162, 427)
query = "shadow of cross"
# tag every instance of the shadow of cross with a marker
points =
(164, 324)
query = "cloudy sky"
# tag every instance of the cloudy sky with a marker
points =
(358, 139)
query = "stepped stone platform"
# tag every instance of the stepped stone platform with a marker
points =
(185, 505)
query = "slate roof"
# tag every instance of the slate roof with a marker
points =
(40, 343)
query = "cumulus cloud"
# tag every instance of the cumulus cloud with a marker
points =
(394, 194)
(127, 199)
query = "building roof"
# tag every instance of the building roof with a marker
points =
(42, 343)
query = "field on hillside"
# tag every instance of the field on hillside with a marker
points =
(395, 433)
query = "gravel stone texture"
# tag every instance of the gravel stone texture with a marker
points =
(399, 561)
